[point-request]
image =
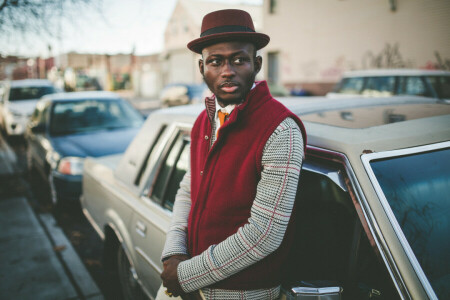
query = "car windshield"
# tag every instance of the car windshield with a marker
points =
(91, 115)
(417, 188)
(29, 92)
(441, 85)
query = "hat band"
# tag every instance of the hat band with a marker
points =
(226, 28)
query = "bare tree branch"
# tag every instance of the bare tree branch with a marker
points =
(22, 17)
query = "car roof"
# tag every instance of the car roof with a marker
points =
(74, 96)
(30, 82)
(431, 128)
(395, 72)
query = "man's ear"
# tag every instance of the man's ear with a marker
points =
(258, 64)
(200, 66)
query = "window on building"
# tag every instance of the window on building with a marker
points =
(273, 67)
(273, 6)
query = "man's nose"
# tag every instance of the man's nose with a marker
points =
(228, 69)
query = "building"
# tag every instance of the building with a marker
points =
(314, 41)
(179, 64)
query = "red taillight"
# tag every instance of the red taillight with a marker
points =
(64, 167)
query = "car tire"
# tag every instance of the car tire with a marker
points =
(128, 282)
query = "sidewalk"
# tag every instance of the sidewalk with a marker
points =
(36, 259)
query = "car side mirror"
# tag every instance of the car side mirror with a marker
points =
(37, 128)
(314, 290)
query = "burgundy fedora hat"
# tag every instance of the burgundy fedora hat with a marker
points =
(228, 25)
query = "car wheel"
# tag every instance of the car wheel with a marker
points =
(127, 277)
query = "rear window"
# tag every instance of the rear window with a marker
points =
(30, 92)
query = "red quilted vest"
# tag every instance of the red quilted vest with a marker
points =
(224, 180)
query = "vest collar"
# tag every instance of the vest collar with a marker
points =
(259, 88)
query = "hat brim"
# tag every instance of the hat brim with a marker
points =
(260, 40)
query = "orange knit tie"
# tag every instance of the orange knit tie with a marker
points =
(222, 116)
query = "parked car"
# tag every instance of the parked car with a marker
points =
(18, 102)
(388, 82)
(67, 127)
(373, 206)
(181, 94)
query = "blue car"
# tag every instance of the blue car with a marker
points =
(67, 127)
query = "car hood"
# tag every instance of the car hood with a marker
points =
(94, 144)
(25, 107)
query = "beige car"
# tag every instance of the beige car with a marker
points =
(373, 199)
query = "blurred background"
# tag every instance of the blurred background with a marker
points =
(139, 47)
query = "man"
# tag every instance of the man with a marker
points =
(229, 234)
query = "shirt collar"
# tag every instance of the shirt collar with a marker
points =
(212, 106)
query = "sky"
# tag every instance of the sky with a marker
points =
(117, 28)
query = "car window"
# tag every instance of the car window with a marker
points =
(150, 155)
(29, 92)
(330, 243)
(379, 86)
(412, 85)
(71, 117)
(352, 85)
(417, 188)
(441, 85)
(172, 170)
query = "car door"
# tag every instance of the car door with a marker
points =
(333, 248)
(149, 224)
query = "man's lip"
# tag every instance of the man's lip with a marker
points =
(229, 89)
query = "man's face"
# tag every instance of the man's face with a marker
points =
(229, 69)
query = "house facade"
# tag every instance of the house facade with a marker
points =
(179, 64)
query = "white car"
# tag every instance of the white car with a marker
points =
(392, 82)
(18, 100)
(373, 218)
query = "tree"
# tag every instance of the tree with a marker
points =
(41, 17)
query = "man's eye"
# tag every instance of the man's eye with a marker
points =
(214, 61)
(239, 60)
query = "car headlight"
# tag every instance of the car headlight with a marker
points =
(71, 165)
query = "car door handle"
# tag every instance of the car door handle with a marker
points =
(141, 229)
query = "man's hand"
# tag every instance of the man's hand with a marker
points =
(170, 277)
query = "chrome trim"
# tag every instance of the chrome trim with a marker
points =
(153, 167)
(333, 174)
(148, 260)
(313, 291)
(368, 215)
(366, 159)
